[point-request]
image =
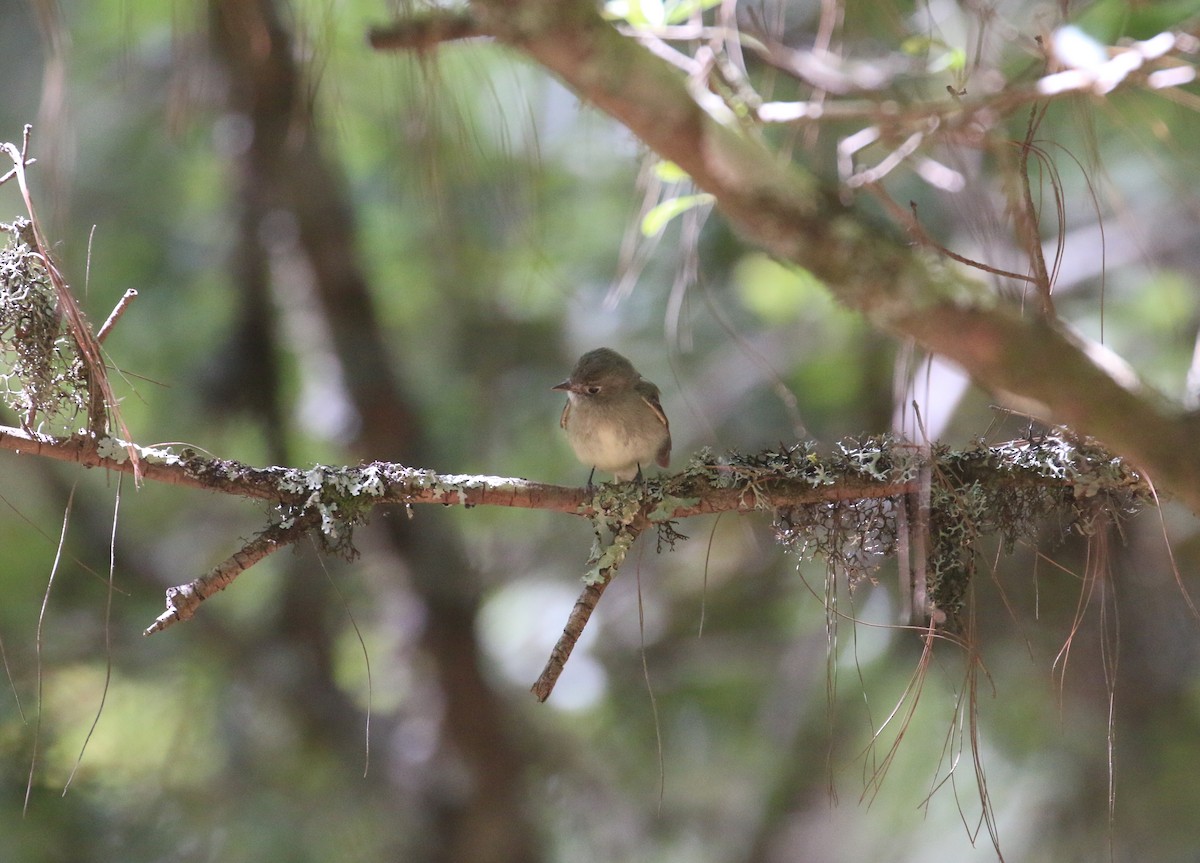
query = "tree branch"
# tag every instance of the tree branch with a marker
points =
(581, 612)
(388, 483)
(102, 403)
(183, 600)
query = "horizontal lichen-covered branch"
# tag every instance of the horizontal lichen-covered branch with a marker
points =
(788, 476)
(378, 483)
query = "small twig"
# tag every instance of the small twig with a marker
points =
(916, 230)
(122, 304)
(919, 500)
(921, 236)
(584, 606)
(12, 172)
(580, 614)
(184, 599)
(870, 176)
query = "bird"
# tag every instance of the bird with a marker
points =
(613, 417)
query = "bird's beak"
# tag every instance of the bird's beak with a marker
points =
(565, 385)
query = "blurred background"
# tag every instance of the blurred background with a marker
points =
(344, 255)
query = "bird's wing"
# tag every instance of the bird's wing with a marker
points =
(649, 394)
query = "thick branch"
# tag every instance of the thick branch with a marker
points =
(1081, 384)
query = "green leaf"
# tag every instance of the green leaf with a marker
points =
(657, 218)
(669, 172)
(939, 56)
(655, 13)
(950, 60)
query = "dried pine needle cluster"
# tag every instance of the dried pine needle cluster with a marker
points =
(41, 371)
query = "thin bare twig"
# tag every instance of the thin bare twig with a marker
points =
(916, 230)
(184, 599)
(12, 172)
(1027, 215)
(128, 297)
(580, 614)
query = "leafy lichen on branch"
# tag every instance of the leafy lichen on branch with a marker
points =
(841, 506)
(1010, 491)
(339, 497)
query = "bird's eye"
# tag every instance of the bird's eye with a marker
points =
(593, 390)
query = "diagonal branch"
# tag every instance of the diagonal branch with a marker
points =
(184, 599)
(581, 612)
(421, 32)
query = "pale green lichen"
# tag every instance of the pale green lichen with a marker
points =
(111, 448)
(668, 504)
(341, 497)
(608, 558)
(1009, 491)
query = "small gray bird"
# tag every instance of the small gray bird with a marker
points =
(613, 417)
